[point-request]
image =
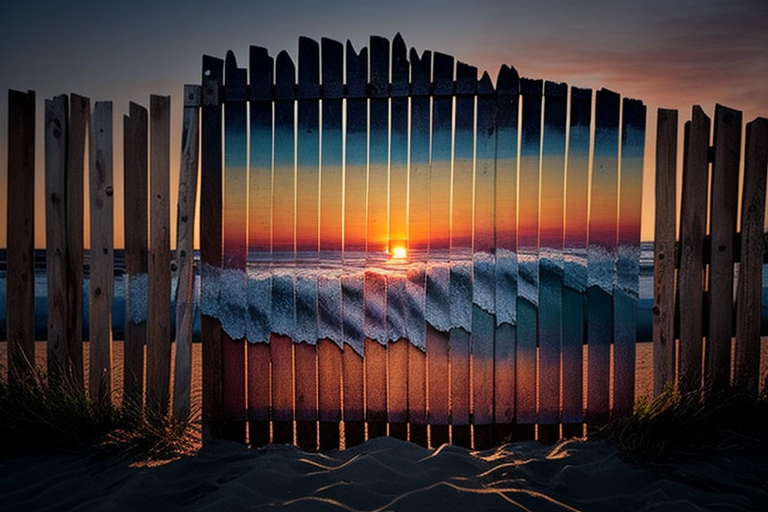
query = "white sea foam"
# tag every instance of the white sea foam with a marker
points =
(601, 268)
(528, 278)
(506, 287)
(460, 290)
(484, 285)
(232, 311)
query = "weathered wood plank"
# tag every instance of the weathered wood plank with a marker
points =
(722, 226)
(747, 359)
(628, 256)
(20, 275)
(329, 372)
(693, 224)
(136, 226)
(398, 148)
(575, 266)
(461, 284)
(233, 310)
(307, 242)
(259, 387)
(664, 252)
(417, 358)
(601, 254)
(281, 351)
(483, 266)
(79, 111)
(56, 135)
(505, 351)
(528, 254)
(397, 357)
(158, 320)
(551, 262)
(438, 407)
(102, 263)
(185, 231)
(211, 246)
(331, 204)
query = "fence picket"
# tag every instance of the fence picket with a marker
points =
(185, 222)
(628, 257)
(136, 229)
(101, 267)
(722, 225)
(211, 245)
(664, 252)
(20, 309)
(259, 245)
(56, 135)
(551, 261)
(159, 322)
(575, 256)
(528, 253)
(693, 223)
(747, 357)
(418, 243)
(506, 278)
(79, 110)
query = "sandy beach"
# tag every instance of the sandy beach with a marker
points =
(386, 474)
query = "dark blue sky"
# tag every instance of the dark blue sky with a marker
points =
(669, 54)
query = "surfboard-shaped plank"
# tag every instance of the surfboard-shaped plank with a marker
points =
(507, 100)
(483, 266)
(56, 133)
(79, 111)
(234, 303)
(575, 261)
(528, 254)
(307, 243)
(746, 364)
(664, 251)
(331, 228)
(101, 270)
(211, 245)
(259, 245)
(628, 256)
(438, 271)
(20, 312)
(601, 254)
(418, 243)
(185, 234)
(722, 225)
(551, 262)
(460, 287)
(136, 181)
(693, 224)
(158, 320)
(355, 228)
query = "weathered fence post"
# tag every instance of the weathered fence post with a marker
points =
(20, 307)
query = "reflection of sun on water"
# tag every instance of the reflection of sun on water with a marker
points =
(398, 252)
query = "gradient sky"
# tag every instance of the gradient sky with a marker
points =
(670, 54)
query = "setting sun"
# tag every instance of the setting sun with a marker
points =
(398, 252)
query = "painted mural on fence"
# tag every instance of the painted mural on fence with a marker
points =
(409, 191)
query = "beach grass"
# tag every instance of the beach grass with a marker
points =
(685, 427)
(38, 414)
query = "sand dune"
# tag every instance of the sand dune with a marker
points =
(385, 474)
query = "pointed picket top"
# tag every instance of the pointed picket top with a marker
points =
(357, 71)
(507, 81)
(333, 68)
(309, 68)
(466, 78)
(420, 71)
(485, 86)
(379, 66)
(400, 68)
(261, 66)
(443, 74)
(286, 76)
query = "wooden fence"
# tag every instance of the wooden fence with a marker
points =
(70, 121)
(513, 257)
(400, 249)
